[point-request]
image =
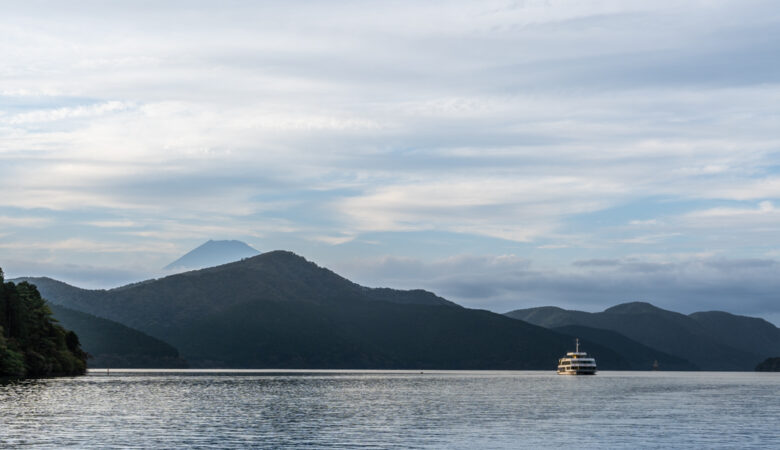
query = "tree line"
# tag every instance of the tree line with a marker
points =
(32, 344)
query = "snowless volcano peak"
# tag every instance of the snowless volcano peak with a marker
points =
(213, 253)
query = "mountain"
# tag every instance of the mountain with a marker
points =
(111, 344)
(638, 356)
(278, 310)
(712, 340)
(213, 253)
(750, 334)
(155, 306)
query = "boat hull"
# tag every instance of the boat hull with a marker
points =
(577, 372)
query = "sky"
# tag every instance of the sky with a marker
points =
(503, 154)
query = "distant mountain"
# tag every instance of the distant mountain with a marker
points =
(712, 340)
(750, 334)
(638, 356)
(213, 253)
(63, 292)
(112, 344)
(277, 310)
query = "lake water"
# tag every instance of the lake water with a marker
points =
(450, 409)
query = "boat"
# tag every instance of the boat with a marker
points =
(577, 363)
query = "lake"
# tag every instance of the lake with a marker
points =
(360, 409)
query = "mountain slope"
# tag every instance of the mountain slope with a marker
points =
(638, 356)
(213, 253)
(378, 335)
(745, 333)
(667, 331)
(112, 344)
(159, 306)
(279, 310)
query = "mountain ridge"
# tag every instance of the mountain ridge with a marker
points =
(279, 310)
(702, 338)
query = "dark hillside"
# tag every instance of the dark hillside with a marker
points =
(111, 344)
(745, 333)
(380, 335)
(279, 310)
(638, 356)
(706, 346)
(157, 307)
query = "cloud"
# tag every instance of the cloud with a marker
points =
(688, 284)
(597, 263)
(572, 131)
(80, 245)
(334, 240)
(649, 239)
(83, 276)
(21, 221)
(527, 207)
(764, 208)
(648, 222)
(79, 112)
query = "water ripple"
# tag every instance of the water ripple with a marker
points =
(394, 409)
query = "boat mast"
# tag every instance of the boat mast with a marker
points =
(577, 350)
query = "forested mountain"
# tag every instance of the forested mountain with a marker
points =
(279, 310)
(158, 306)
(750, 334)
(31, 343)
(711, 340)
(638, 356)
(111, 344)
(213, 253)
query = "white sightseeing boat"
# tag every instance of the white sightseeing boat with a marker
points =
(576, 363)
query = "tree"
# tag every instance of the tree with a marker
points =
(31, 342)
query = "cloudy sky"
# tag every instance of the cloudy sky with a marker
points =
(502, 154)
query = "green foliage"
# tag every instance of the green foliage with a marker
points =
(11, 361)
(31, 343)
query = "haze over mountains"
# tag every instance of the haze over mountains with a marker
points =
(278, 310)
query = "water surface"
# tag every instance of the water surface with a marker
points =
(358, 409)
